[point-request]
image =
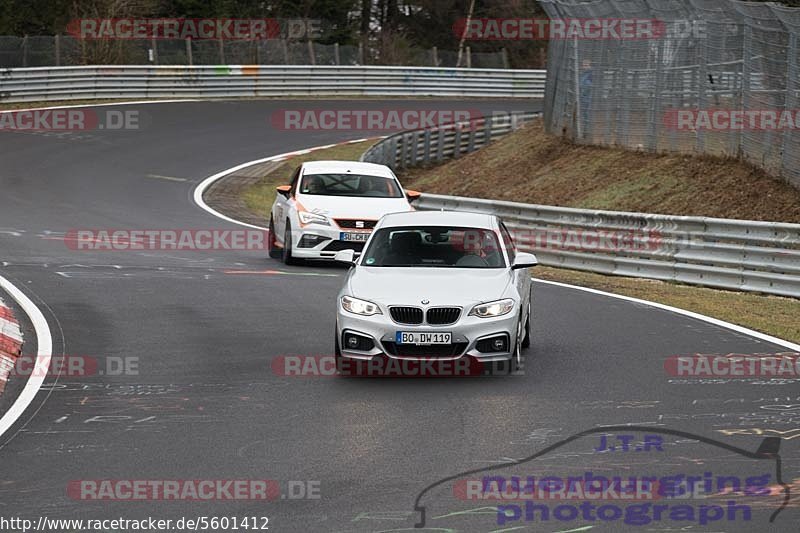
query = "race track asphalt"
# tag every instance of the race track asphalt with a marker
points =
(207, 404)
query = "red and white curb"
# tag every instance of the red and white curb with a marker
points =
(10, 343)
(44, 351)
(206, 183)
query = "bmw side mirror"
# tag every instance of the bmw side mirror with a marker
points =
(524, 260)
(345, 256)
(284, 190)
(413, 196)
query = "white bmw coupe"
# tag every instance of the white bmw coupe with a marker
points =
(436, 285)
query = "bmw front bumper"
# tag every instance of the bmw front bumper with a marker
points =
(468, 331)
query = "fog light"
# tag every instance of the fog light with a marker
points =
(495, 344)
(361, 343)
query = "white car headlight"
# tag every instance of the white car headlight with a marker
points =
(307, 217)
(360, 307)
(490, 309)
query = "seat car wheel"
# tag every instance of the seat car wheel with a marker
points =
(287, 245)
(274, 251)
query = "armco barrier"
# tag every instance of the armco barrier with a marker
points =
(729, 254)
(250, 81)
(434, 145)
(723, 253)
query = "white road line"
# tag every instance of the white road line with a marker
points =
(160, 177)
(206, 183)
(44, 347)
(717, 322)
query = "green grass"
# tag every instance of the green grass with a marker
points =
(773, 315)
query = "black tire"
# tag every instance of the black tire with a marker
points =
(274, 251)
(516, 361)
(526, 341)
(287, 245)
(337, 352)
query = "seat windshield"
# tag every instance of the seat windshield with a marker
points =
(350, 185)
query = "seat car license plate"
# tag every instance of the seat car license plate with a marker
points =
(354, 237)
(407, 337)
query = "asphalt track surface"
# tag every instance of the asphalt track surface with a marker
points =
(206, 403)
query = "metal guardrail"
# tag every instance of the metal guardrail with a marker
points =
(729, 254)
(723, 253)
(434, 145)
(237, 81)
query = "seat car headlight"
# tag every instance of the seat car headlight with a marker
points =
(490, 309)
(307, 217)
(360, 307)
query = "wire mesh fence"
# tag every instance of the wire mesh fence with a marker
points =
(715, 76)
(63, 50)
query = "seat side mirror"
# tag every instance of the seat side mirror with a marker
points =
(284, 190)
(413, 196)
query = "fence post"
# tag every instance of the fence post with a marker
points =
(221, 50)
(395, 158)
(440, 138)
(25, 51)
(154, 44)
(435, 54)
(791, 99)
(469, 57)
(57, 39)
(655, 105)
(403, 143)
(189, 57)
(285, 48)
(611, 58)
(426, 147)
(471, 138)
(702, 98)
(414, 148)
(746, 72)
(578, 102)
(336, 57)
(504, 55)
(487, 129)
(311, 56)
(457, 142)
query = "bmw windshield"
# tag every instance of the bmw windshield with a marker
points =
(434, 247)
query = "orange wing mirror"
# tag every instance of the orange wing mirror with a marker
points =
(413, 196)
(284, 190)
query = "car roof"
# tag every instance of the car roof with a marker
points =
(341, 167)
(440, 218)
